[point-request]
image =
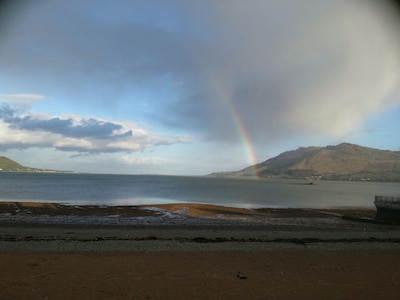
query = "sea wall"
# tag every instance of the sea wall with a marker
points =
(388, 208)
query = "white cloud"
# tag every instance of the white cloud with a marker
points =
(74, 133)
(22, 99)
(143, 161)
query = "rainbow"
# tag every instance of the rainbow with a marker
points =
(225, 98)
(244, 136)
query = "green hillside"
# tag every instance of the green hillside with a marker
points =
(8, 165)
(342, 162)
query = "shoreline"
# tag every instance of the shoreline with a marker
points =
(30, 226)
(177, 214)
(190, 210)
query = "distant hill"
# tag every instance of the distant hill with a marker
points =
(341, 162)
(8, 165)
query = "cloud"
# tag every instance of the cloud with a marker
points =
(275, 69)
(143, 161)
(77, 134)
(21, 99)
(289, 67)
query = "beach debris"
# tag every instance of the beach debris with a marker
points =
(241, 276)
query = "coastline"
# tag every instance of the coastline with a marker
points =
(169, 214)
(49, 251)
(38, 227)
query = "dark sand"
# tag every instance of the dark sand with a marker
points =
(285, 254)
(287, 274)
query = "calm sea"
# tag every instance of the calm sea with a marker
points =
(151, 189)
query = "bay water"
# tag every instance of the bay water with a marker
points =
(101, 189)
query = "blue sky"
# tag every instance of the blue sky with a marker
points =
(192, 87)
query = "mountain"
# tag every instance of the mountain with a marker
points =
(8, 165)
(341, 162)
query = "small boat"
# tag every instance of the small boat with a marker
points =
(387, 208)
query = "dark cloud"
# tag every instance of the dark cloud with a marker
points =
(87, 128)
(274, 68)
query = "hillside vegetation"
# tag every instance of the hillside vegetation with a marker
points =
(8, 165)
(341, 162)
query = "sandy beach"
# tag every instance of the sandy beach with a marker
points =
(181, 251)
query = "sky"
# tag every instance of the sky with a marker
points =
(186, 87)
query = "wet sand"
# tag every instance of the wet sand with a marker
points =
(48, 251)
